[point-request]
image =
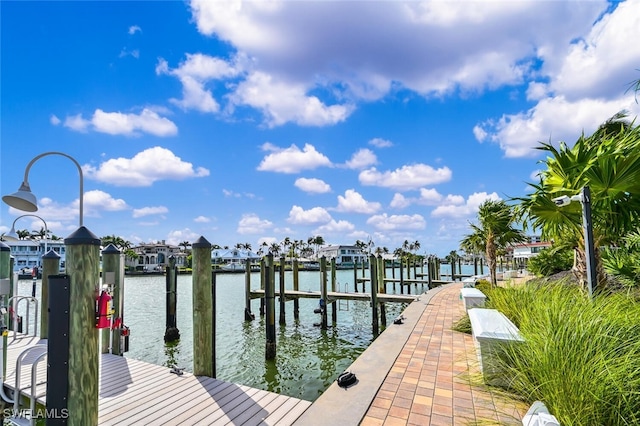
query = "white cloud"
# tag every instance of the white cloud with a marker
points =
(282, 102)
(455, 206)
(99, 200)
(518, 134)
(77, 123)
(581, 86)
(252, 224)
(299, 216)
(312, 185)
(380, 143)
(334, 227)
(202, 219)
(292, 159)
(194, 73)
(406, 177)
(144, 169)
(384, 222)
(147, 211)
(361, 159)
(134, 29)
(354, 202)
(117, 123)
(179, 235)
(54, 120)
(125, 52)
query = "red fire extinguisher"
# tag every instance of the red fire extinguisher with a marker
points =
(103, 313)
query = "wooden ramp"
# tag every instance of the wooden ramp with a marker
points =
(135, 392)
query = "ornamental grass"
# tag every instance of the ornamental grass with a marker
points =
(581, 357)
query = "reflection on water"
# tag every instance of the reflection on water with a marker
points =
(308, 359)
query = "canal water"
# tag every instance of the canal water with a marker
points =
(308, 359)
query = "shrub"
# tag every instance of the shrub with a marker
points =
(580, 356)
(551, 261)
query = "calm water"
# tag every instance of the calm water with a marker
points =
(308, 359)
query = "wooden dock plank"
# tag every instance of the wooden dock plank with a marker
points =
(178, 405)
(134, 392)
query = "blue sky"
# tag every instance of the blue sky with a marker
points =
(246, 122)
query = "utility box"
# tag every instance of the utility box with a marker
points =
(493, 332)
(472, 297)
(5, 286)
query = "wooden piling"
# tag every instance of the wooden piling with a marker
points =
(296, 287)
(453, 270)
(401, 277)
(248, 316)
(171, 332)
(270, 308)
(323, 292)
(282, 299)
(382, 288)
(475, 265)
(50, 266)
(83, 269)
(5, 274)
(202, 308)
(263, 280)
(374, 295)
(214, 275)
(355, 275)
(334, 305)
(430, 273)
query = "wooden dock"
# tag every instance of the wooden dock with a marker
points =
(331, 296)
(135, 392)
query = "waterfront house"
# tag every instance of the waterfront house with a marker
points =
(233, 259)
(345, 256)
(154, 257)
(27, 254)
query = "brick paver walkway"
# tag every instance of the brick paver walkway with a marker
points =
(435, 380)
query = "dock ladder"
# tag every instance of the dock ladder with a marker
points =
(28, 416)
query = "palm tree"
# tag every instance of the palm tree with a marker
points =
(22, 234)
(185, 245)
(494, 231)
(608, 162)
(274, 249)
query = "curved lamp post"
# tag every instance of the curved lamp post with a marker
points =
(24, 200)
(72, 368)
(13, 235)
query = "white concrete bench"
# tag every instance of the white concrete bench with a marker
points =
(491, 331)
(472, 297)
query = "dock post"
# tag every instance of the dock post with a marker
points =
(475, 265)
(171, 332)
(270, 320)
(334, 305)
(382, 288)
(363, 276)
(355, 275)
(248, 316)
(202, 308)
(401, 277)
(50, 266)
(110, 278)
(282, 298)
(453, 270)
(429, 273)
(374, 296)
(393, 274)
(323, 292)
(214, 275)
(6, 276)
(482, 267)
(263, 280)
(296, 287)
(81, 381)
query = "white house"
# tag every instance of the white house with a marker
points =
(154, 257)
(345, 256)
(27, 254)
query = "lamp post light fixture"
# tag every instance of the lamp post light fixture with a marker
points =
(587, 225)
(13, 235)
(24, 200)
